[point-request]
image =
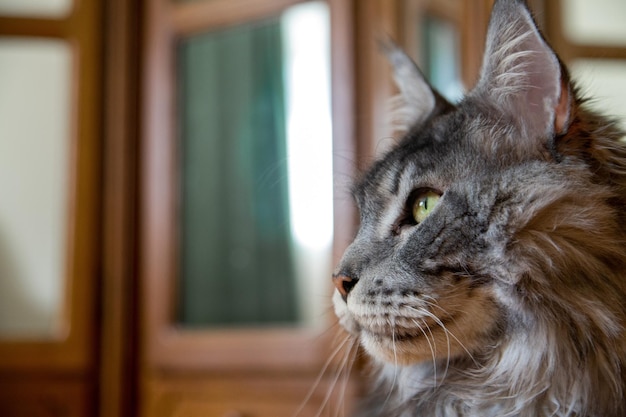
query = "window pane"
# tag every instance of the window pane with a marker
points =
(595, 22)
(605, 82)
(441, 57)
(43, 8)
(34, 130)
(255, 149)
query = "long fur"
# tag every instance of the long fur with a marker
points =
(510, 298)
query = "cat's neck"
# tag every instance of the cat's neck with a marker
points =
(528, 374)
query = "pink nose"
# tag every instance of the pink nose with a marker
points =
(344, 284)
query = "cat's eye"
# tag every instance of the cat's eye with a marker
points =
(423, 204)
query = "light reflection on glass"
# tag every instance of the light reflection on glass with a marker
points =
(309, 147)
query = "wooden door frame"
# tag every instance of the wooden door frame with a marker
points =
(118, 369)
(165, 346)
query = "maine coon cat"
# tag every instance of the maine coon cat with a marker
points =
(488, 276)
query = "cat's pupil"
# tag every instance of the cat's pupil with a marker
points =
(424, 204)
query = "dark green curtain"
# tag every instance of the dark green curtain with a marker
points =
(235, 262)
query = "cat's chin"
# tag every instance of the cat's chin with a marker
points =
(410, 349)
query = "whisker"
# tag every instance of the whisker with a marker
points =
(449, 351)
(321, 375)
(445, 373)
(353, 349)
(395, 363)
(432, 348)
(434, 303)
(447, 331)
(333, 383)
(443, 310)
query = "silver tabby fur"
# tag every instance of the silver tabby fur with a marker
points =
(510, 298)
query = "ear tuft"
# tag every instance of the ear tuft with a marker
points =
(417, 100)
(522, 75)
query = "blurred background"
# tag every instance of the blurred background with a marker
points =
(174, 188)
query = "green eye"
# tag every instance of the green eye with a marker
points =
(424, 204)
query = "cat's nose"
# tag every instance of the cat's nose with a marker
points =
(344, 284)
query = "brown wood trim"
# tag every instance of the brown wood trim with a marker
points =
(597, 52)
(156, 181)
(53, 28)
(117, 362)
(554, 30)
(87, 25)
(255, 395)
(191, 17)
(538, 10)
(374, 20)
(366, 84)
(410, 33)
(474, 31)
(343, 98)
(287, 350)
(446, 9)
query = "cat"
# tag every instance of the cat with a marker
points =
(488, 274)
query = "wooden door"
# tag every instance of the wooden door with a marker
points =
(51, 65)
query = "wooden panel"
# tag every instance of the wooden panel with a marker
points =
(246, 396)
(32, 397)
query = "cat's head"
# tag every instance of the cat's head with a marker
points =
(493, 216)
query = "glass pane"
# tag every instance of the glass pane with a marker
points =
(442, 57)
(40, 8)
(34, 130)
(595, 22)
(255, 172)
(605, 82)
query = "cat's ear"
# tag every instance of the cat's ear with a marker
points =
(522, 75)
(417, 100)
